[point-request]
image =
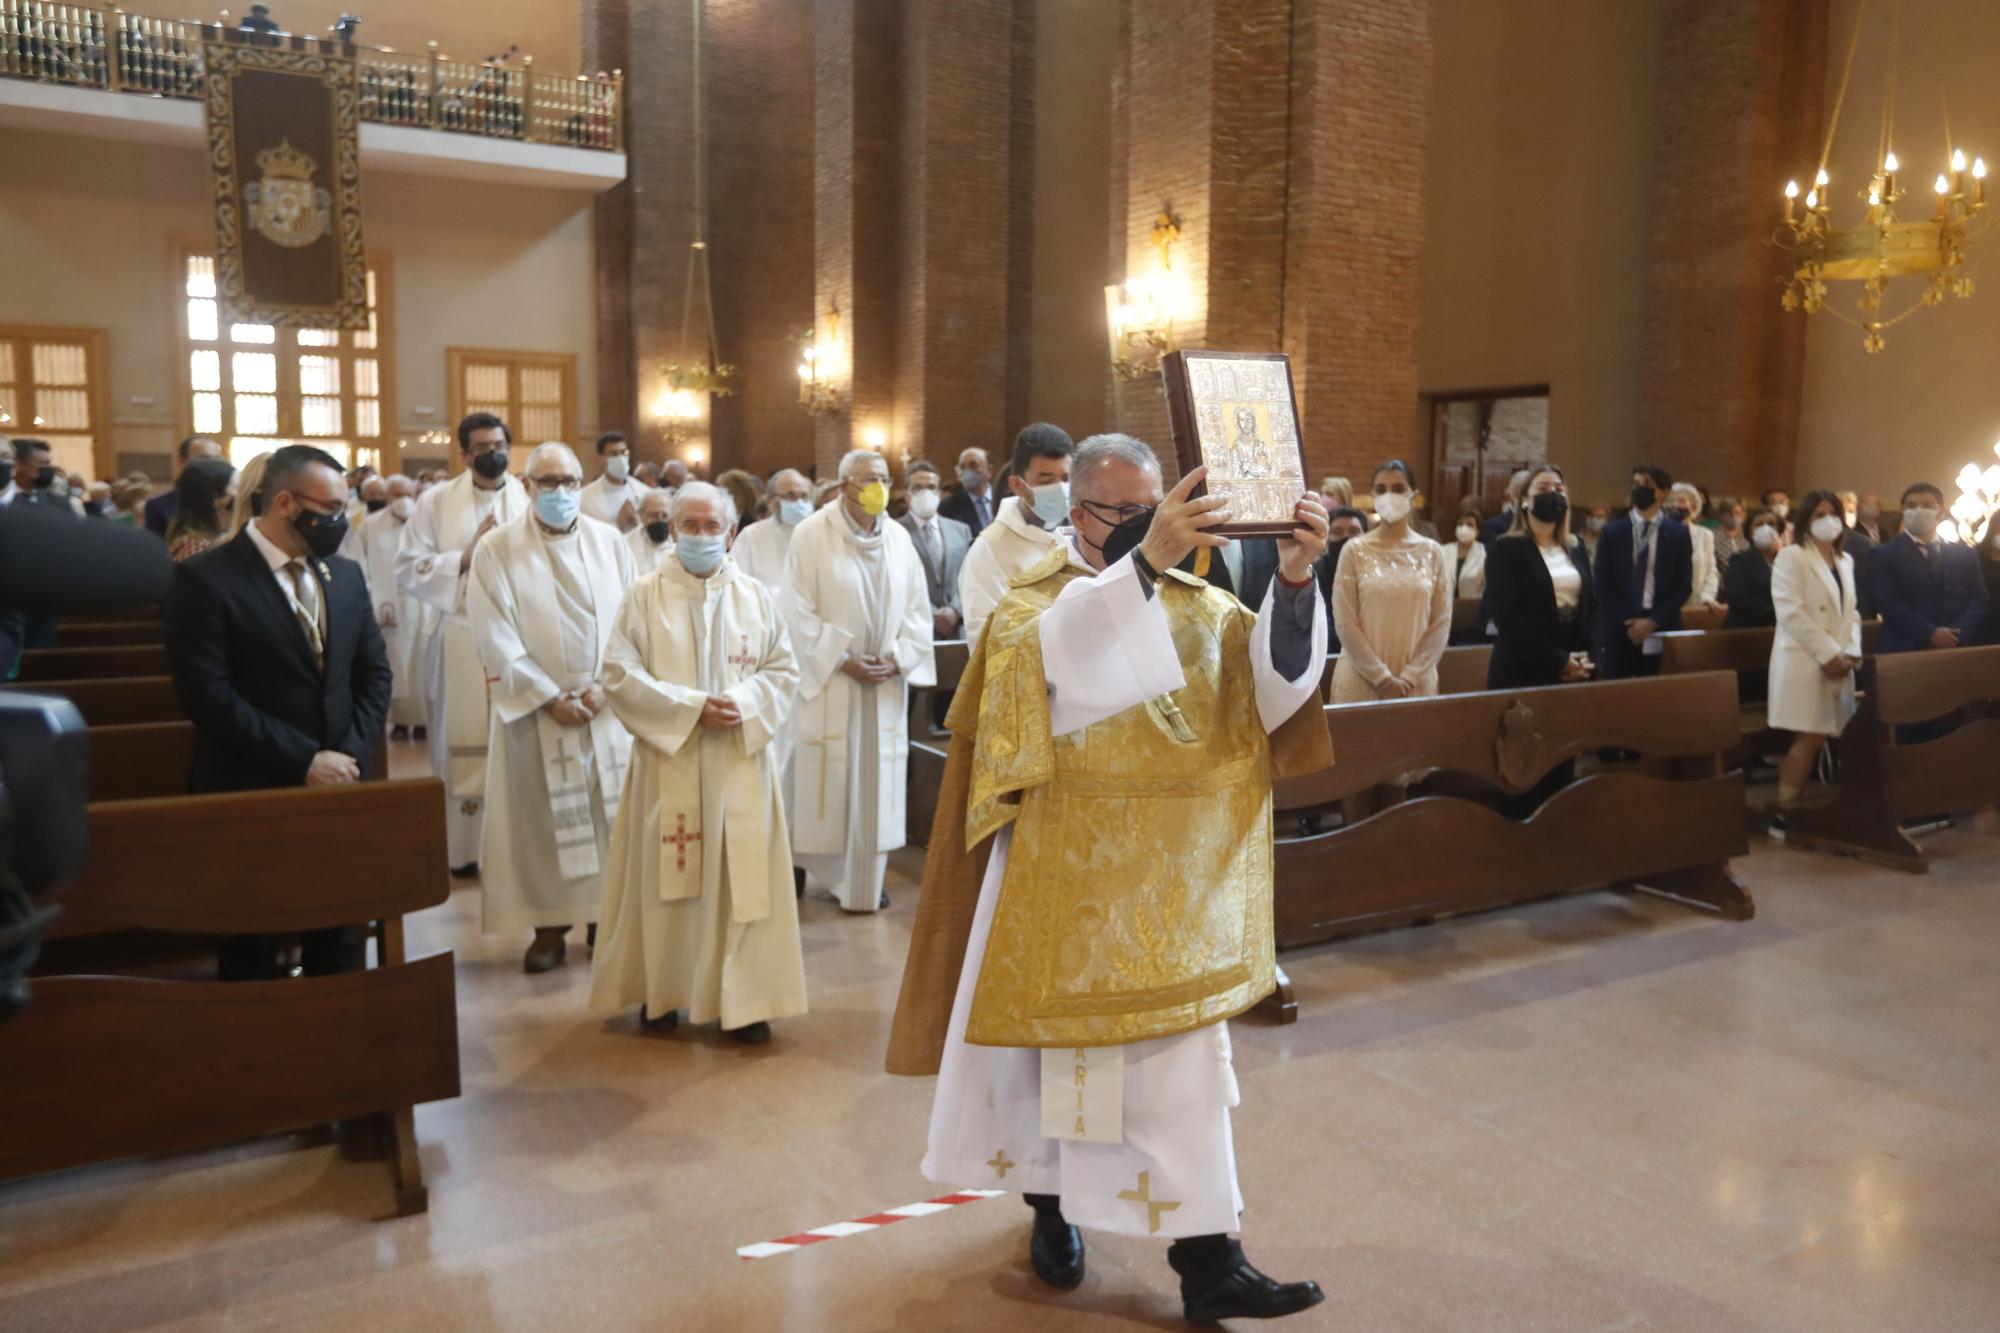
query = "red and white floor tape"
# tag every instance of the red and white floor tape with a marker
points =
(786, 1244)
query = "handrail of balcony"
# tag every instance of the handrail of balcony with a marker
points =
(106, 48)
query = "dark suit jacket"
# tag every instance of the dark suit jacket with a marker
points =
(958, 505)
(160, 511)
(1746, 591)
(1618, 601)
(1989, 568)
(261, 704)
(1535, 641)
(1260, 566)
(1860, 545)
(1493, 529)
(942, 580)
(1914, 599)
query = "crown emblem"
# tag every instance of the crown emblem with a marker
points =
(286, 163)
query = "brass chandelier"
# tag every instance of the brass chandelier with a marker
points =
(1882, 245)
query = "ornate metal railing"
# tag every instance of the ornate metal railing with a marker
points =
(89, 47)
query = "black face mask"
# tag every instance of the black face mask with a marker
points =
(322, 533)
(45, 477)
(1549, 506)
(491, 465)
(1125, 538)
(376, 506)
(1644, 497)
(659, 532)
(94, 508)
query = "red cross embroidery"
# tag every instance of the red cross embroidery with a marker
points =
(679, 840)
(743, 658)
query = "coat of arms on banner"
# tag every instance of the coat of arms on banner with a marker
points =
(285, 207)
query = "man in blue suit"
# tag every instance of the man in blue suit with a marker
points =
(1928, 592)
(1644, 572)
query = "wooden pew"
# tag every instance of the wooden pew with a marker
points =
(928, 741)
(1461, 670)
(1701, 618)
(116, 700)
(109, 634)
(1882, 783)
(137, 760)
(40, 664)
(1435, 855)
(104, 1067)
(1744, 651)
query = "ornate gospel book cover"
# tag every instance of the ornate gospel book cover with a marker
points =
(1234, 412)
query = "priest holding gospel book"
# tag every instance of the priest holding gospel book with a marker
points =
(1097, 895)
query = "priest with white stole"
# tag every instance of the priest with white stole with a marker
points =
(373, 545)
(860, 610)
(1097, 893)
(700, 671)
(615, 495)
(432, 565)
(543, 601)
(1023, 530)
(652, 542)
(763, 551)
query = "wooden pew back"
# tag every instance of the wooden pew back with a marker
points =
(110, 634)
(1438, 854)
(1461, 669)
(42, 664)
(129, 1065)
(116, 701)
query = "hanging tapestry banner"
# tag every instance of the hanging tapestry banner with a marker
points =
(284, 147)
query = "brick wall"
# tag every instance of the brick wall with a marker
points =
(1739, 102)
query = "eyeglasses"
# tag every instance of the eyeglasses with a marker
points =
(550, 485)
(1119, 513)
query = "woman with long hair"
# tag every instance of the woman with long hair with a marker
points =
(249, 494)
(1391, 601)
(203, 497)
(1538, 591)
(1817, 645)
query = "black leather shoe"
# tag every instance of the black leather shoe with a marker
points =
(666, 1022)
(1218, 1283)
(1055, 1250)
(470, 870)
(753, 1034)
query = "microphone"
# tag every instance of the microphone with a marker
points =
(53, 564)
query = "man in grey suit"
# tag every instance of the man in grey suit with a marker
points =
(941, 544)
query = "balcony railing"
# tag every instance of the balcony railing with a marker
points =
(109, 49)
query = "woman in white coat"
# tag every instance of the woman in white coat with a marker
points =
(1818, 641)
(1686, 502)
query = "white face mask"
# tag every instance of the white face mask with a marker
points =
(1920, 522)
(617, 468)
(1466, 532)
(1764, 537)
(1393, 506)
(1781, 509)
(402, 506)
(1827, 527)
(924, 503)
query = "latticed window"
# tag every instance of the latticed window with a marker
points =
(257, 386)
(533, 392)
(52, 387)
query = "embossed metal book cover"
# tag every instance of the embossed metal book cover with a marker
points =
(1235, 412)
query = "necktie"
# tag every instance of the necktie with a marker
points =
(933, 547)
(979, 505)
(1642, 556)
(309, 606)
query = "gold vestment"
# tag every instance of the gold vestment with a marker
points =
(1136, 901)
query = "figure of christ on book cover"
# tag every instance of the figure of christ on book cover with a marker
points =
(1249, 437)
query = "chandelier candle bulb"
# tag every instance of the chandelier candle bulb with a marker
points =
(1791, 193)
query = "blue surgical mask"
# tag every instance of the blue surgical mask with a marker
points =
(699, 555)
(971, 478)
(557, 508)
(1052, 504)
(791, 513)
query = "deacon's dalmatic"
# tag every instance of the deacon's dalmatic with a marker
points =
(698, 910)
(433, 565)
(543, 601)
(859, 606)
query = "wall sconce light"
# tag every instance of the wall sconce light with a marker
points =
(679, 412)
(1139, 315)
(818, 394)
(875, 438)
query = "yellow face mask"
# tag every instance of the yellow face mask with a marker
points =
(874, 498)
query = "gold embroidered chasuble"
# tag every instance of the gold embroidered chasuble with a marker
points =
(1136, 901)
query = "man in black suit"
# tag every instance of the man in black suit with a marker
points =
(280, 665)
(1644, 572)
(973, 502)
(160, 509)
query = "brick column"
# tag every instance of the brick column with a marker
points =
(1288, 136)
(1739, 111)
(757, 74)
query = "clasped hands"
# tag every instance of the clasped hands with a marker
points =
(1180, 525)
(1840, 664)
(870, 670)
(574, 708)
